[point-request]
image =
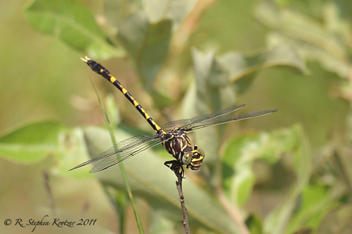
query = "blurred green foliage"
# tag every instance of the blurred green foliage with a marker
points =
(288, 172)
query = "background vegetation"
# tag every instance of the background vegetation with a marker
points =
(288, 172)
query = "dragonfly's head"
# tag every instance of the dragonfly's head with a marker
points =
(194, 158)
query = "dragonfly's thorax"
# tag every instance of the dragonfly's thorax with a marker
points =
(180, 147)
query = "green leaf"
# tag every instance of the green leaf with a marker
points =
(254, 224)
(218, 79)
(278, 220)
(213, 91)
(174, 10)
(71, 151)
(149, 178)
(161, 100)
(31, 143)
(241, 152)
(337, 221)
(317, 201)
(209, 93)
(313, 40)
(157, 10)
(245, 67)
(112, 110)
(345, 7)
(73, 23)
(117, 10)
(161, 224)
(147, 44)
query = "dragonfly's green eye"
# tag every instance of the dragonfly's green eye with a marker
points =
(187, 157)
(197, 158)
(200, 152)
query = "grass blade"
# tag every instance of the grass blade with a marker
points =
(123, 172)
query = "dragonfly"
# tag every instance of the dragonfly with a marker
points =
(173, 135)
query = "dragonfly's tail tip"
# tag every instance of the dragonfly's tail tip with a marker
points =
(85, 59)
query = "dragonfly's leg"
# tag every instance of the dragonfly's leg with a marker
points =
(182, 172)
(176, 167)
(169, 162)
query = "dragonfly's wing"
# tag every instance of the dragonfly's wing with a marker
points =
(202, 123)
(116, 159)
(125, 149)
(188, 122)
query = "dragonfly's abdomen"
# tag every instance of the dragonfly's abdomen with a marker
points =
(98, 68)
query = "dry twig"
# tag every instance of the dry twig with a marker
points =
(182, 201)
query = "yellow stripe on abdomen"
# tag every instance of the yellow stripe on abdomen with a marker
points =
(112, 79)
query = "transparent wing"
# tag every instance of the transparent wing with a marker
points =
(188, 122)
(125, 149)
(223, 119)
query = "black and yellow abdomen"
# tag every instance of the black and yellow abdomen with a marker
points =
(98, 68)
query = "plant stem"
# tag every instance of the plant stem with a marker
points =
(183, 206)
